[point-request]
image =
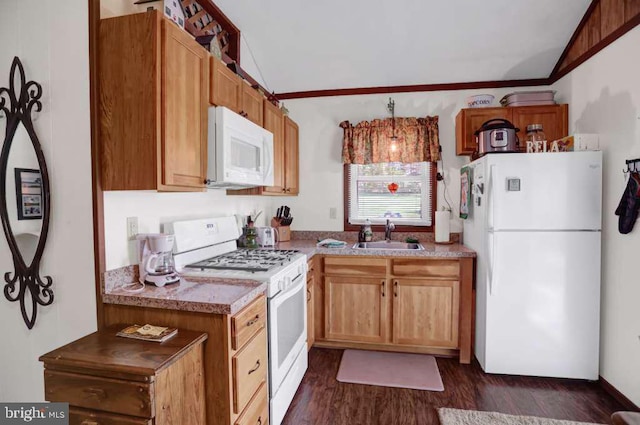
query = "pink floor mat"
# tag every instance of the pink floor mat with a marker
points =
(401, 370)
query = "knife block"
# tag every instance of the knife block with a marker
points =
(284, 232)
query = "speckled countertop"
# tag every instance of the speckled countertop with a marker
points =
(203, 295)
(431, 250)
(228, 296)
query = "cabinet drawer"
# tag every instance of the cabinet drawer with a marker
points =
(257, 412)
(249, 370)
(109, 395)
(355, 266)
(92, 417)
(425, 268)
(246, 323)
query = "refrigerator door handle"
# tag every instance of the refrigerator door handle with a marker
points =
(491, 251)
(490, 204)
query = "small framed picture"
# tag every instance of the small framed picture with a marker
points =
(28, 193)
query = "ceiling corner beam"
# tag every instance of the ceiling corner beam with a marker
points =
(599, 15)
(414, 88)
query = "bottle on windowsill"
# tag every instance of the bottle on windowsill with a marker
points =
(368, 233)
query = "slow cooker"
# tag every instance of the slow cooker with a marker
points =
(497, 135)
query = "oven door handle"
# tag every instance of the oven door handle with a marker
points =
(282, 296)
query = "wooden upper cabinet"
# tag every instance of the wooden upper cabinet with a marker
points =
(252, 107)
(356, 309)
(273, 121)
(229, 90)
(226, 86)
(554, 120)
(184, 108)
(153, 105)
(291, 157)
(425, 312)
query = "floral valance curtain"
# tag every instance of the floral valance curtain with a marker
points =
(370, 142)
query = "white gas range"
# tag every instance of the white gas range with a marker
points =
(207, 247)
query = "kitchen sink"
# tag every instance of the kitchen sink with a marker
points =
(388, 245)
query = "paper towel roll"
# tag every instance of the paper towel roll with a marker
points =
(442, 226)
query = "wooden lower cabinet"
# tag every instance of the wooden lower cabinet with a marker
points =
(235, 357)
(404, 304)
(356, 308)
(425, 312)
(109, 380)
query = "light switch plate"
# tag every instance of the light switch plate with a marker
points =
(132, 227)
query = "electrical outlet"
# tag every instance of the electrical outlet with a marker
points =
(132, 227)
(333, 213)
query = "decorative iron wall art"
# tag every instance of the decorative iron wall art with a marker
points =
(25, 284)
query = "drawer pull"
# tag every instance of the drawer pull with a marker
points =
(255, 368)
(96, 392)
(382, 287)
(253, 321)
(89, 422)
(260, 420)
(308, 295)
(395, 288)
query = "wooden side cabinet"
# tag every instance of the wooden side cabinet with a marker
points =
(554, 120)
(153, 105)
(108, 379)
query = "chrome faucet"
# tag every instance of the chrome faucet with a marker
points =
(387, 230)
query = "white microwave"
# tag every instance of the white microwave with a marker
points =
(240, 153)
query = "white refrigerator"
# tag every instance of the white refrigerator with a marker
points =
(534, 221)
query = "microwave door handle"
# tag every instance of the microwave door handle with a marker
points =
(268, 159)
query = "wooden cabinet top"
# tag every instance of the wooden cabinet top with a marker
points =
(106, 352)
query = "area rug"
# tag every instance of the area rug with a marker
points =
(470, 417)
(401, 370)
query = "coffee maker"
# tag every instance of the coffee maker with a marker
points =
(155, 253)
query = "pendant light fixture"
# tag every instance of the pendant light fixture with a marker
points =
(391, 107)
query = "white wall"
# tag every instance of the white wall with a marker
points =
(153, 209)
(604, 98)
(321, 169)
(51, 39)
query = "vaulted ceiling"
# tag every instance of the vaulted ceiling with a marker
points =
(332, 44)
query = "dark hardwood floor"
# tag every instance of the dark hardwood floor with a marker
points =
(323, 400)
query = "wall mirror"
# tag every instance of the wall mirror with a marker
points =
(24, 195)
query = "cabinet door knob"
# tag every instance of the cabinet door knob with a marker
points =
(256, 367)
(288, 189)
(253, 321)
(308, 295)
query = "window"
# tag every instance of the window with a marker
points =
(369, 197)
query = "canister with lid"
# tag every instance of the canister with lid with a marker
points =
(536, 140)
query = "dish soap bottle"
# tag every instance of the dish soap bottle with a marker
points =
(368, 233)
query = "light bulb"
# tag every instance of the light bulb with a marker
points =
(394, 145)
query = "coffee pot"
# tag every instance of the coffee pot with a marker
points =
(157, 266)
